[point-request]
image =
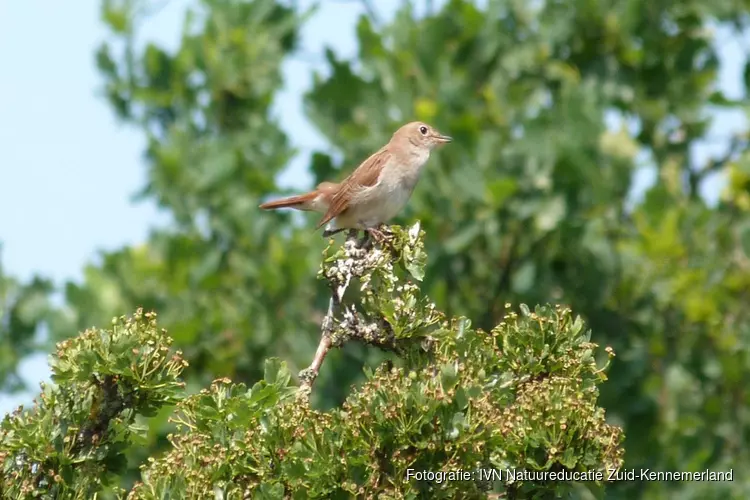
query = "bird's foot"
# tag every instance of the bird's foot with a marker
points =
(386, 230)
(379, 234)
(375, 235)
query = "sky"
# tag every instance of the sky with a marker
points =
(69, 170)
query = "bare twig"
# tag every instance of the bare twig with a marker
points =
(737, 144)
(309, 374)
(320, 354)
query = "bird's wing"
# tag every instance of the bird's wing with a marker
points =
(366, 175)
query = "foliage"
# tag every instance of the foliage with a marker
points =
(71, 443)
(523, 396)
(24, 307)
(391, 311)
(554, 106)
(221, 271)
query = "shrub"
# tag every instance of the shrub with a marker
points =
(520, 400)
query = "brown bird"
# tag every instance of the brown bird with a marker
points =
(377, 190)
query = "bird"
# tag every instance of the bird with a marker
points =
(377, 190)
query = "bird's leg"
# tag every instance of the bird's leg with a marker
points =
(372, 234)
(327, 233)
(365, 243)
(352, 236)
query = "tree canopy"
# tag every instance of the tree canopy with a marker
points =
(532, 203)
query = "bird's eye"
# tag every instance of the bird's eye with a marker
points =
(423, 130)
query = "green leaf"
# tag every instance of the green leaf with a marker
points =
(117, 17)
(270, 491)
(275, 372)
(448, 376)
(745, 239)
(550, 213)
(414, 263)
(523, 277)
(463, 237)
(209, 265)
(464, 324)
(717, 98)
(321, 166)
(499, 190)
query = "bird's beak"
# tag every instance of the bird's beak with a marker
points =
(443, 138)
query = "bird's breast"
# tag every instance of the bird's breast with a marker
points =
(383, 201)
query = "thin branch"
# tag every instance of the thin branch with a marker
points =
(309, 374)
(737, 144)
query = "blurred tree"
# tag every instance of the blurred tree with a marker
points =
(234, 288)
(529, 204)
(220, 272)
(24, 308)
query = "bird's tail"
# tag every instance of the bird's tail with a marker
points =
(300, 202)
(315, 201)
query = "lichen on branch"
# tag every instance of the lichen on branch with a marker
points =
(386, 308)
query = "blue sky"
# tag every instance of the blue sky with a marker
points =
(68, 169)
